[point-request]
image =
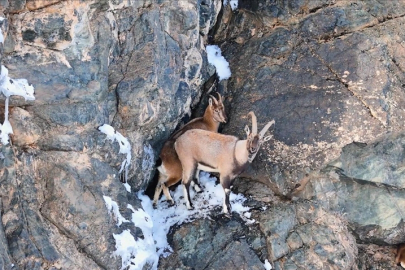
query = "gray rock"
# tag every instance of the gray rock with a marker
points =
(320, 98)
(363, 202)
(206, 244)
(381, 162)
(328, 72)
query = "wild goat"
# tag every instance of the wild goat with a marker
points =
(400, 259)
(170, 172)
(213, 152)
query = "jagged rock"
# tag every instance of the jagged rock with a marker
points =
(206, 244)
(373, 206)
(306, 236)
(137, 65)
(325, 86)
(380, 162)
(329, 73)
(376, 257)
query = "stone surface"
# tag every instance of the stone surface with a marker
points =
(373, 207)
(206, 244)
(136, 65)
(305, 236)
(325, 85)
(331, 74)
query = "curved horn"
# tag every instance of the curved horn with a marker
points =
(220, 98)
(266, 127)
(254, 123)
(215, 100)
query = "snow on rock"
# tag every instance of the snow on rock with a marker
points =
(125, 146)
(232, 3)
(1, 32)
(148, 161)
(267, 265)
(165, 217)
(9, 87)
(135, 254)
(138, 253)
(216, 59)
(18, 87)
(113, 208)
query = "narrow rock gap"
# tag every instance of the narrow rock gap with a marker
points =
(196, 111)
(316, 9)
(123, 70)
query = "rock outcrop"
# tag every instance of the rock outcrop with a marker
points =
(136, 65)
(327, 192)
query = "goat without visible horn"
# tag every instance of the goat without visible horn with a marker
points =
(170, 172)
(400, 259)
(213, 152)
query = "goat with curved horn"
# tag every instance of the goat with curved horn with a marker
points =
(170, 172)
(213, 152)
(214, 99)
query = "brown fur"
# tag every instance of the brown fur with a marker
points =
(400, 258)
(201, 149)
(170, 172)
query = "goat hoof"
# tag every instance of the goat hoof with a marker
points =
(198, 188)
(154, 205)
(171, 203)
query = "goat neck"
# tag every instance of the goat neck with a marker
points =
(209, 118)
(241, 152)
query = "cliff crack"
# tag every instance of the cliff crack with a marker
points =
(79, 247)
(347, 86)
(367, 26)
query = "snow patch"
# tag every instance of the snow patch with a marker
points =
(148, 161)
(232, 3)
(1, 32)
(138, 253)
(10, 87)
(165, 217)
(125, 147)
(113, 208)
(135, 254)
(216, 59)
(267, 265)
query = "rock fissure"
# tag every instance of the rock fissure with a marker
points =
(77, 242)
(348, 88)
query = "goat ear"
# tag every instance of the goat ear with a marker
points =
(210, 101)
(265, 139)
(247, 130)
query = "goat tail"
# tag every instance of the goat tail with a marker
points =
(162, 173)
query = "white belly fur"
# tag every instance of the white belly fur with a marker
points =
(206, 169)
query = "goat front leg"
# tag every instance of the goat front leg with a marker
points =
(226, 185)
(196, 183)
(158, 190)
(187, 178)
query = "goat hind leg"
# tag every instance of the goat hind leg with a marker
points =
(158, 190)
(167, 194)
(196, 182)
(187, 177)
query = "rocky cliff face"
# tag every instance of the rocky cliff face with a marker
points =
(327, 191)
